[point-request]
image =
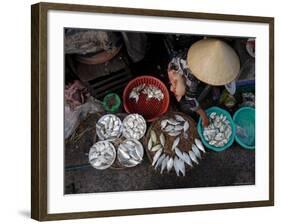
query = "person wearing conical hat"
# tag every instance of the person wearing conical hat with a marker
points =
(210, 61)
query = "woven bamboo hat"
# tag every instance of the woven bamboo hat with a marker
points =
(213, 61)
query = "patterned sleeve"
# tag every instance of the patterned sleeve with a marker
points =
(189, 103)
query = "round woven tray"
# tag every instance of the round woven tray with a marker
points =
(184, 144)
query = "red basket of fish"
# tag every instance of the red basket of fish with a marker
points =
(148, 96)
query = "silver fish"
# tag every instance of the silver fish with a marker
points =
(196, 151)
(164, 164)
(181, 166)
(108, 126)
(156, 148)
(159, 161)
(178, 152)
(199, 144)
(175, 143)
(178, 127)
(149, 146)
(176, 167)
(219, 136)
(179, 118)
(185, 126)
(134, 126)
(156, 156)
(164, 123)
(193, 157)
(130, 153)
(212, 115)
(124, 154)
(170, 164)
(162, 139)
(173, 134)
(102, 154)
(153, 92)
(153, 136)
(169, 128)
(173, 122)
(187, 159)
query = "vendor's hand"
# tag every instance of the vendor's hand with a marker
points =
(205, 121)
(204, 117)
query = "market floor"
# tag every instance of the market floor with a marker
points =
(234, 166)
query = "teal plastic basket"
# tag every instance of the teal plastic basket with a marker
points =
(244, 119)
(229, 118)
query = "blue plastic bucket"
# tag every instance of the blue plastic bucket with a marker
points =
(244, 119)
(228, 117)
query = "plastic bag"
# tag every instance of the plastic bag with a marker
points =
(73, 117)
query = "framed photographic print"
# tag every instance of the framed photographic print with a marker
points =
(138, 111)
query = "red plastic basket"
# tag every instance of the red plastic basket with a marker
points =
(150, 109)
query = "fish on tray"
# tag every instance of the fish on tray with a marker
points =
(180, 159)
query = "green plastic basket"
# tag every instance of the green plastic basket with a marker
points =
(244, 119)
(200, 129)
(110, 106)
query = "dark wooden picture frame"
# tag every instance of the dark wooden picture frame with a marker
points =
(39, 107)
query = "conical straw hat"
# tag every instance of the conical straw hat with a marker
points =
(213, 61)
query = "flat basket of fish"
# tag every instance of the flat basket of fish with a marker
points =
(120, 133)
(102, 155)
(172, 144)
(146, 95)
(108, 127)
(219, 134)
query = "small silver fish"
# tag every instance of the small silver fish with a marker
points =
(159, 161)
(196, 151)
(170, 164)
(153, 136)
(179, 118)
(173, 122)
(219, 136)
(176, 167)
(164, 123)
(193, 157)
(187, 159)
(156, 156)
(178, 152)
(173, 134)
(164, 164)
(162, 139)
(156, 148)
(178, 127)
(169, 128)
(185, 126)
(181, 166)
(175, 143)
(199, 144)
(149, 146)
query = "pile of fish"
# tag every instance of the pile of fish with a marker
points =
(151, 92)
(177, 162)
(219, 130)
(175, 126)
(102, 155)
(130, 153)
(109, 126)
(134, 126)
